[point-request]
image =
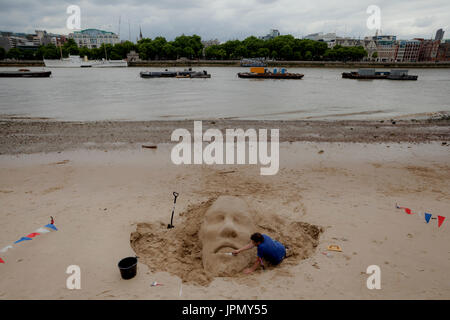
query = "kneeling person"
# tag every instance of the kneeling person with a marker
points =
(268, 249)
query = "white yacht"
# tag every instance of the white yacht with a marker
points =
(78, 62)
(109, 63)
(70, 62)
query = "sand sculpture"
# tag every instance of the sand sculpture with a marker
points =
(196, 249)
(227, 226)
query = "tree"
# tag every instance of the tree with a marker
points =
(14, 53)
(2, 53)
(169, 51)
(286, 52)
(308, 55)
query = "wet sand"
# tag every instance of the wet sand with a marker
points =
(25, 135)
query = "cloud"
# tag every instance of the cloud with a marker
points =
(228, 19)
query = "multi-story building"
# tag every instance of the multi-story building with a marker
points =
(443, 53)
(273, 34)
(408, 51)
(439, 35)
(94, 38)
(386, 50)
(428, 49)
(328, 38)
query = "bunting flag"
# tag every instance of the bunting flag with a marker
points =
(30, 236)
(440, 220)
(51, 226)
(407, 210)
(5, 249)
(23, 239)
(428, 216)
(42, 230)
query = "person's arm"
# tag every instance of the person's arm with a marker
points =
(253, 267)
(247, 247)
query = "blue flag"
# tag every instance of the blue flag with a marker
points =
(427, 217)
(23, 239)
(51, 226)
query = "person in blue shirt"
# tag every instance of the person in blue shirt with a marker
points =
(268, 249)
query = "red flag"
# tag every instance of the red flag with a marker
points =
(2, 261)
(407, 210)
(440, 220)
(32, 235)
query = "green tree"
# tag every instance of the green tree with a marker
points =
(14, 53)
(2, 53)
(286, 52)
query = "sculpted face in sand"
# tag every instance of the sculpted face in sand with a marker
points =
(227, 226)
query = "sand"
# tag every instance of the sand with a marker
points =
(349, 190)
(30, 135)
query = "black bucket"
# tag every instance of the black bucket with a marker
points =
(128, 267)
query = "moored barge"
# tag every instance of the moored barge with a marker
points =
(25, 73)
(263, 73)
(369, 74)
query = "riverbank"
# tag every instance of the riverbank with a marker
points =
(236, 63)
(31, 135)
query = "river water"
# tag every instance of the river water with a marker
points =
(85, 94)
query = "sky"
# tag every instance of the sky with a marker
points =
(229, 19)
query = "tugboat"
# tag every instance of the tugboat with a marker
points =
(25, 73)
(365, 74)
(263, 73)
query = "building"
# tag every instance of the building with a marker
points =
(273, 34)
(386, 50)
(328, 38)
(428, 50)
(408, 51)
(439, 35)
(208, 43)
(348, 42)
(94, 38)
(443, 53)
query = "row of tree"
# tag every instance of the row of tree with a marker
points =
(280, 48)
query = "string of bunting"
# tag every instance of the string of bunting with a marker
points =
(46, 229)
(426, 215)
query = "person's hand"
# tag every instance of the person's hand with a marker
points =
(235, 252)
(248, 270)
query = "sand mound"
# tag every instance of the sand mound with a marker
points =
(179, 250)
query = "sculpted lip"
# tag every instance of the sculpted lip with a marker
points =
(225, 245)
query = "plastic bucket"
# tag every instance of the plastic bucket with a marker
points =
(128, 267)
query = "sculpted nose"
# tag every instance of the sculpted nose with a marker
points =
(228, 231)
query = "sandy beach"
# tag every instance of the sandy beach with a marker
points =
(345, 178)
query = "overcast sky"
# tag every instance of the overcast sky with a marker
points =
(229, 19)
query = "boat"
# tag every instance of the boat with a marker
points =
(368, 74)
(263, 73)
(77, 62)
(401, 75)
(71, 62)
(25, 73)
(257, 62)
(175, 74)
